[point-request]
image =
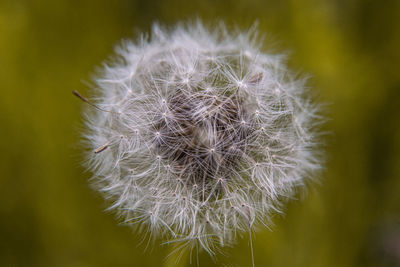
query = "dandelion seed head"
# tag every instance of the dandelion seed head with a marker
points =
(205, 137)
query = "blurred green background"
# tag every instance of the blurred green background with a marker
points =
(50, 217)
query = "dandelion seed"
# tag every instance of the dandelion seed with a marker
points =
(210, 145)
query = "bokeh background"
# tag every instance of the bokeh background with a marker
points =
(49, 216)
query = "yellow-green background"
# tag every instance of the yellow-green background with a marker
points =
(50, 217)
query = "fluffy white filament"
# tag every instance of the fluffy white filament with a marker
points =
(200, 135)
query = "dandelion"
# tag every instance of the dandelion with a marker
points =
(198, 136)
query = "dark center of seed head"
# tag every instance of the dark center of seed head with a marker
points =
(203, 137)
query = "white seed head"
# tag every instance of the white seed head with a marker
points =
(200, 135)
